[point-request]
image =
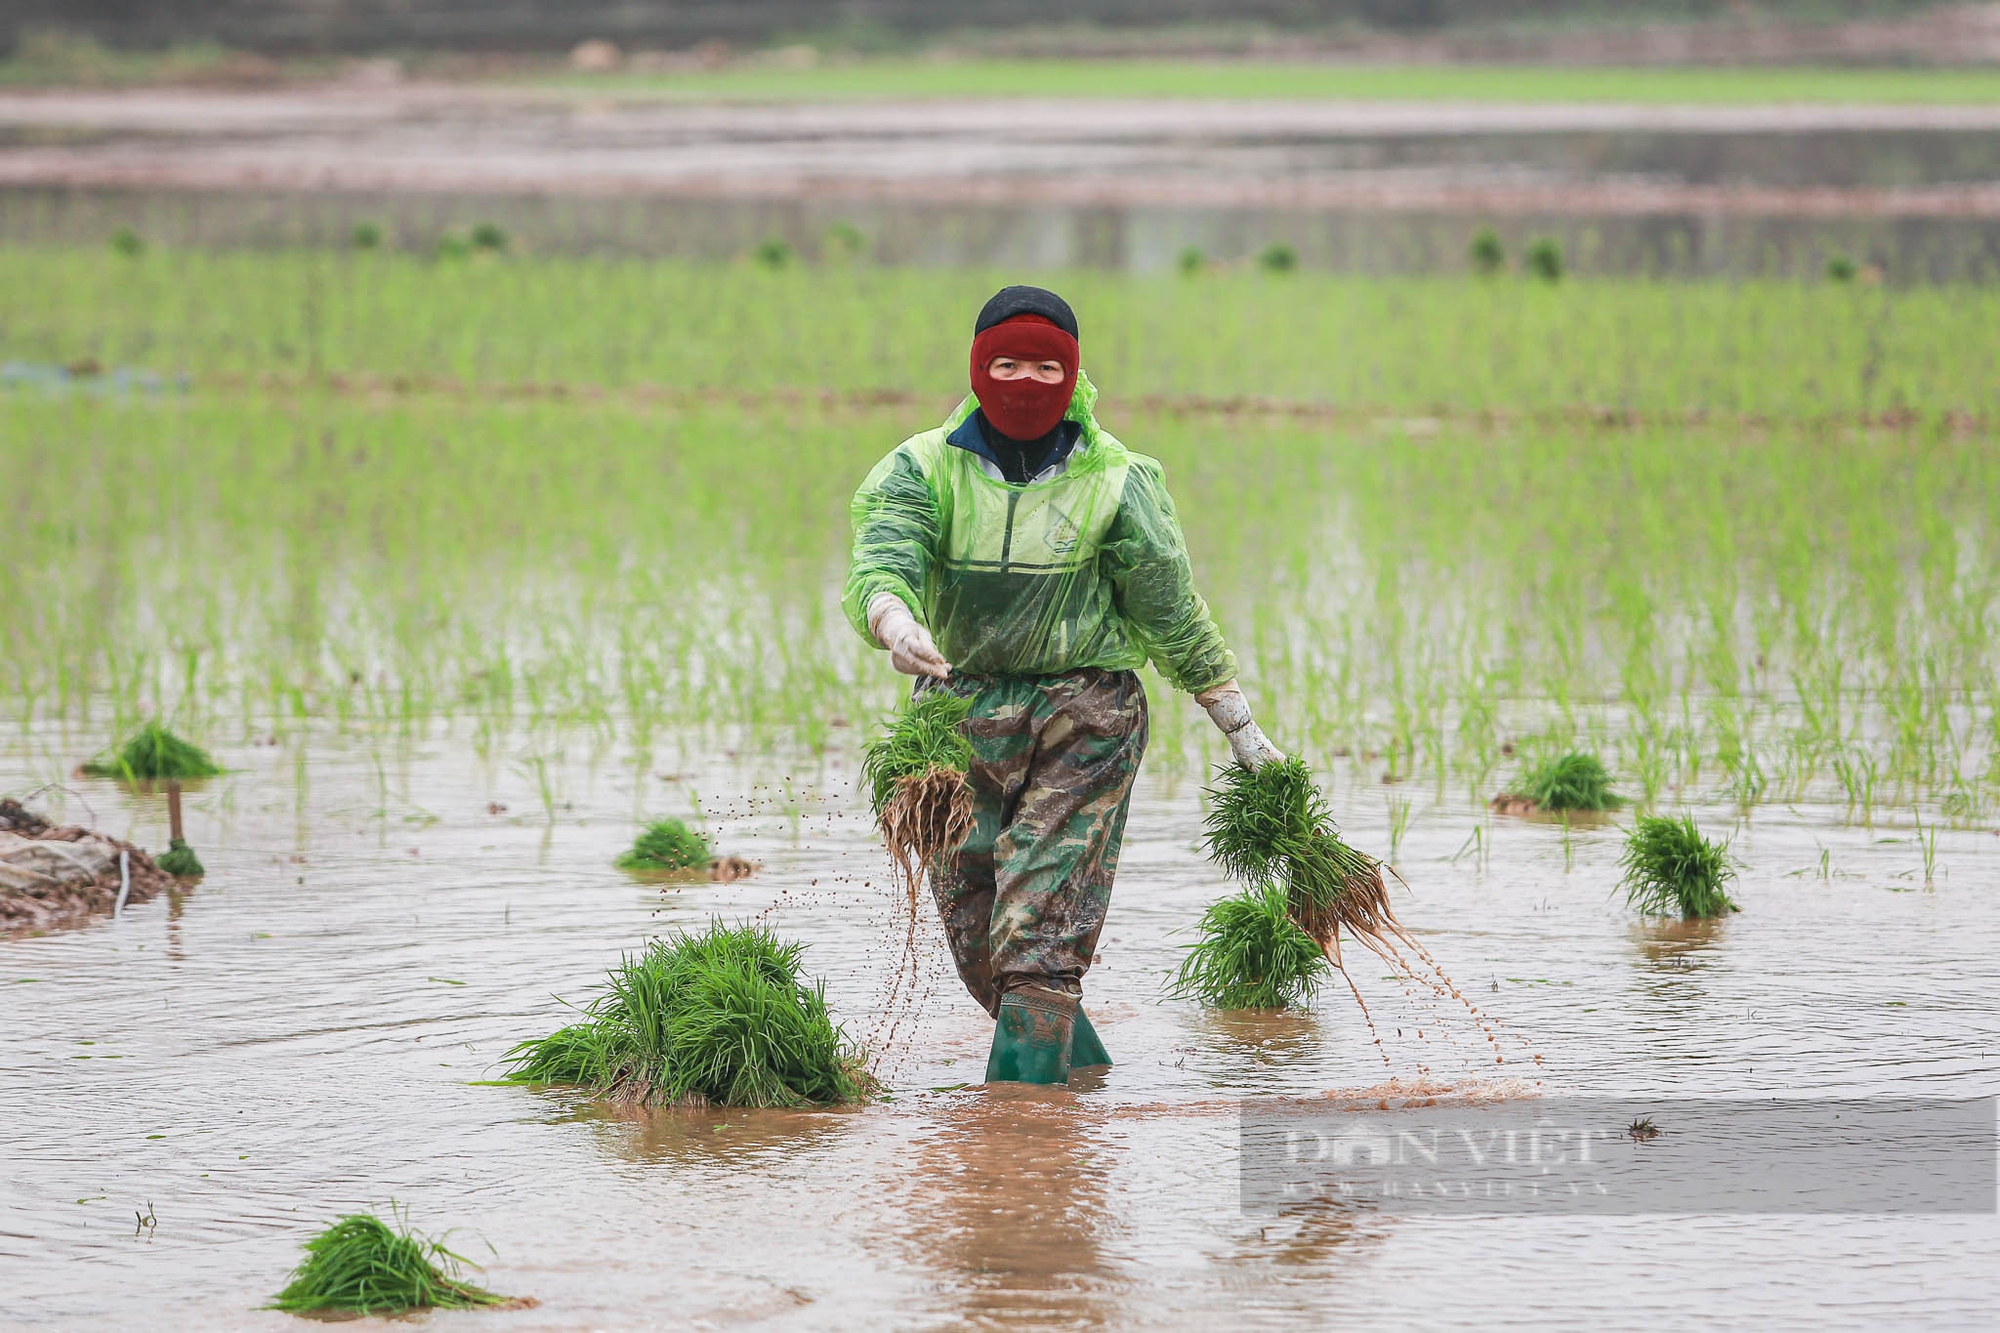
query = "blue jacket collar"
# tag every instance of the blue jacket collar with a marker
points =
(970, 435)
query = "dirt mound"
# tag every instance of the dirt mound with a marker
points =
(55, 876)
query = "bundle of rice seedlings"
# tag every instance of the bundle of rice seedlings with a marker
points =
(1566, 782)
(719, 1018)
(1251, 955)
(1272, 827)
(152, 753)
(1671, 870)
(362, 1264)
(1273, 824)
(666, 845)
(915, 774)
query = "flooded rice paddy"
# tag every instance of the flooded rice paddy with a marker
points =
(305, 1034)
(465, 572)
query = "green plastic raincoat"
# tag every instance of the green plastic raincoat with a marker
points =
(1086, 569)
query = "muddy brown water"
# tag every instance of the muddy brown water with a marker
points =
(305, 1033)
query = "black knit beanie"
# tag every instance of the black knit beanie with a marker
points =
(1011, 301)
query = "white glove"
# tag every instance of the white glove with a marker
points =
(911, 650)
(1230, 712)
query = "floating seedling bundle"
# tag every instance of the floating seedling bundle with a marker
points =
(667, 846)
(915, 772)
(362, 1265)
(716, 1018)
(1560, 785)
(1671, 870)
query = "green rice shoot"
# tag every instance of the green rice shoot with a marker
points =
(363, 1265)
(1251, 955)
(720, 1018)
(667, 845)
(1572, 781)
(152, 753)
(1671, 870)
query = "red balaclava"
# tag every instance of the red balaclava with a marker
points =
(1024, 409)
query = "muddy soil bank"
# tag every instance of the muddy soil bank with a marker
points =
(55, 876)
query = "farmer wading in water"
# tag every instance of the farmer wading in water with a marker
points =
(1020, 557)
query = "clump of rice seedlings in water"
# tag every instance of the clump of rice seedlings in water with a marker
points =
(915, 773)
(1671, 870)
(1571, 781)
(667, 845)
(152, 753)
(1251, 955)
(363, 1265)
(1272, 827)
(718, 1018)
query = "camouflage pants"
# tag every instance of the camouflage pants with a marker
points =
(1053, 759)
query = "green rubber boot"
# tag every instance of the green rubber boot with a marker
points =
(1085, 1050)
(1031, 1040)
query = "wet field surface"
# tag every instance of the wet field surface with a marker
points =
(304, 1034)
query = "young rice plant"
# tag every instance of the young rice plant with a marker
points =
(718, 1018)
(363, 1265)
(1671, 870)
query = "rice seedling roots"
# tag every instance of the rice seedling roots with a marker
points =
(928, 819)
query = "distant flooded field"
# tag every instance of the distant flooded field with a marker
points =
(1764, 187)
